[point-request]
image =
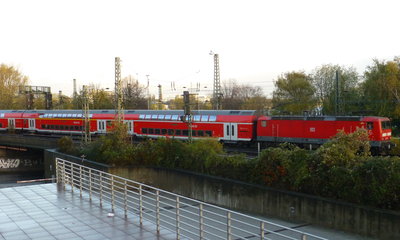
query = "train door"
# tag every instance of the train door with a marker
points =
(129, 124)
(230, 131)
(101, 126)
(11, 123)
(31, 124)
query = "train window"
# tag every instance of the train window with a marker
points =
(43, 126)
(178, 132)
(194, 133)
(204, 118)
(200, 133)
(208, 133)
(142, 116)
(213, 118)
(154, 116)
(157, 131)
(163, 131)
(167, 117)
(161, 117)
(57, 127)
(185, 133)
(386, 125)
(148, 116)
(196, 118)
(76, 128)
(370, 125)
(174, 117)
(151, 131)
(64, 115)
(79, 115)
(74, 115)
(263, 123)
(171, 132)
(144, 130)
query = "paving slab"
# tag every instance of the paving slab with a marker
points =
(45, 211)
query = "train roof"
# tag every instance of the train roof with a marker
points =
(170, 112)
(325, 118)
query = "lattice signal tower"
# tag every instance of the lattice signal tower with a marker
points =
(118, 91)
(217, 83)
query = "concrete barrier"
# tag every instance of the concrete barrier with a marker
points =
(369, 222)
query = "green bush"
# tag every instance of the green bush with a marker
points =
(66, 145)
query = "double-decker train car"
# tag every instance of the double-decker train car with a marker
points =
(232, 126)
(225, 125)
(314, 131)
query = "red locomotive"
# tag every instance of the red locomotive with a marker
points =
(234, 126)
(314, 131)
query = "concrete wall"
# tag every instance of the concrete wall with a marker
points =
(270, 202)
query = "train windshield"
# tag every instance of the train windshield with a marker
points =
(386, 125)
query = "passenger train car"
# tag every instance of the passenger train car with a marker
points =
(232, 126)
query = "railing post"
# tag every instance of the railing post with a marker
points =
(262, 231)
(64, 175)
(178, 235)
(303, 237)
(72, 176)
(101, 188)
(80, 181)
(140, 205)
(228, 225)
(57, 173)
(112, 193)
(201, 221)
(90, 184)
(158, 210)
(125, 199)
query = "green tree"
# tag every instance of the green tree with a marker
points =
(324, 81)
(382, 88)
(294, 93)
(10, 80)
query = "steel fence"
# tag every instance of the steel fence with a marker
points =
(188, 218)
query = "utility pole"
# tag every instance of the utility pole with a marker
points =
(60, 99)
(188, 115)
(148, 92)
(337, 107)
(217, 84)
(86, 122)
(159, 97)
(75, 94)
(118, 91)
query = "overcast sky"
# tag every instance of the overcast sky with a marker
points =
(53, 42)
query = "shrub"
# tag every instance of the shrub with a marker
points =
(66, 145)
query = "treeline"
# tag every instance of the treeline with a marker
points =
(341, 169)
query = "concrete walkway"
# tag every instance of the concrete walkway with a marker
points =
(44, 212)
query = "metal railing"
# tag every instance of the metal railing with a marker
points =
(188, 218)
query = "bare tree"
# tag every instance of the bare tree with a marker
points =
(134, 94)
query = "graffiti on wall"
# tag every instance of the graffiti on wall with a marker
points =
(8, 163)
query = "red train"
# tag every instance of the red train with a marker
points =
(233, 126)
